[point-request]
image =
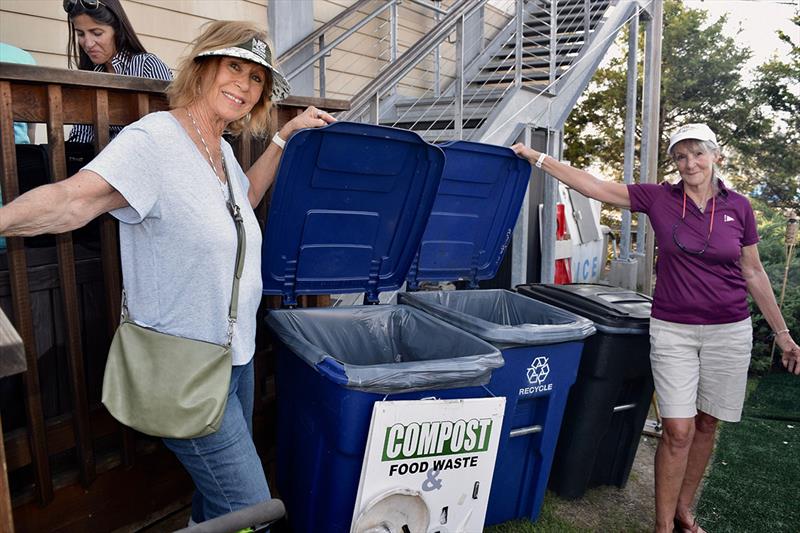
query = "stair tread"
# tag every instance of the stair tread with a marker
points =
(473, 95)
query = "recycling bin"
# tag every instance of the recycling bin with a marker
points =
(608, 405)
(541, 345)
(350, 205)
(332, 366)
(467, 234)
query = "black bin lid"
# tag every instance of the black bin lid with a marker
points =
(607, 306)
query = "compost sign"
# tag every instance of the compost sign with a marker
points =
(429, 463)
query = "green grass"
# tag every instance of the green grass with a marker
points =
(755, 475)
(777, 397)
(752, 485)
(548, 522)
(554, 519)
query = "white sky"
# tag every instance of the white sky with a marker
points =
(758, 20)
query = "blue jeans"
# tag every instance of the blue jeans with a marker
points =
(224, 466)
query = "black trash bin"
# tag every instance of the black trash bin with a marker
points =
(608, 405)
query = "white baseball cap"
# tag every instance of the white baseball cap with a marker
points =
(701, 132)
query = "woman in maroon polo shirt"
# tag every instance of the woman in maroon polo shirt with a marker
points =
(700, 330)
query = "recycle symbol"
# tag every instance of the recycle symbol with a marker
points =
(538, 371)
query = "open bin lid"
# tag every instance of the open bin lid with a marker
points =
(612, 309)
(474, 214)
(350, 204)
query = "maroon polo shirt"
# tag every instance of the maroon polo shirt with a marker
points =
(697, 288)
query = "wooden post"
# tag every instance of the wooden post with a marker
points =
(18, 271)
(69, 297)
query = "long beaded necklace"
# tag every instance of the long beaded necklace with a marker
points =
(220, 183)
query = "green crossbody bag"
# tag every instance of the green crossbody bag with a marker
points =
(169, 386)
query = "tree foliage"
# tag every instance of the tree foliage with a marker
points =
(776, 155)
(701, 81)
(772, 249)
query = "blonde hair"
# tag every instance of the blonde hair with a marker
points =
(192, 70)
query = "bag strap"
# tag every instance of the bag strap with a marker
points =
(241, 245)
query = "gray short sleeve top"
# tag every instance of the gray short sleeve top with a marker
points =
(177, 238)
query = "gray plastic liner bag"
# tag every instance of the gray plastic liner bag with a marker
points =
(386, 348)
(502, 317)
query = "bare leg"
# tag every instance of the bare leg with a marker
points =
(703, 444)
(672, 456)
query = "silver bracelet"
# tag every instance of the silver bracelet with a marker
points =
(781, 331)
(540, 160)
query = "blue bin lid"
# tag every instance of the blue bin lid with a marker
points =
(350, 204)
(474, 214)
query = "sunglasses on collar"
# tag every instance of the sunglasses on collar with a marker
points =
(88, 5)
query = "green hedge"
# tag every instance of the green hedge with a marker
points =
(772, 248)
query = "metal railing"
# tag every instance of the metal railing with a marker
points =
(446, 83)
(353, 19)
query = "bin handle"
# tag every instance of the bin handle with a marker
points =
(521, 432)
(624, 407)
(333, 370)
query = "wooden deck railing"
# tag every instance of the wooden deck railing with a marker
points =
(82, 326)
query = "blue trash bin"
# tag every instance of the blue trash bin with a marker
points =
(333, 365)
(541, 344)
(350, 206)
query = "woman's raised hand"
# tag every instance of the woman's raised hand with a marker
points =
(526, 151)
(310, 118)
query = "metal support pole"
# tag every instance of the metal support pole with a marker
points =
(518, 45)
(322, 68)
(553, 43)
(549, 201)
(437, 54)
(521, 238)
(393, 32)
(650, 123)
(630, 133)
(587, 21)
(459, 81)
(375, 109)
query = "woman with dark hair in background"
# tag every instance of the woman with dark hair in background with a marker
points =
(102, 39)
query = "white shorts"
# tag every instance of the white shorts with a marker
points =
(700, 367)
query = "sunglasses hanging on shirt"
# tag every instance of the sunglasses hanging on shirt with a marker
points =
(682, 223)
(88, 5)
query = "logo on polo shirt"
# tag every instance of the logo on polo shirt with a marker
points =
(726, 218)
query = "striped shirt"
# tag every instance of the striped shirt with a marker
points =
(142, 65)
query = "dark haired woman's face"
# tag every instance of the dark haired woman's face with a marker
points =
(96, 39)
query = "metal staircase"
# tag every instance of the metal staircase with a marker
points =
(553, 35)
(464, 72)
